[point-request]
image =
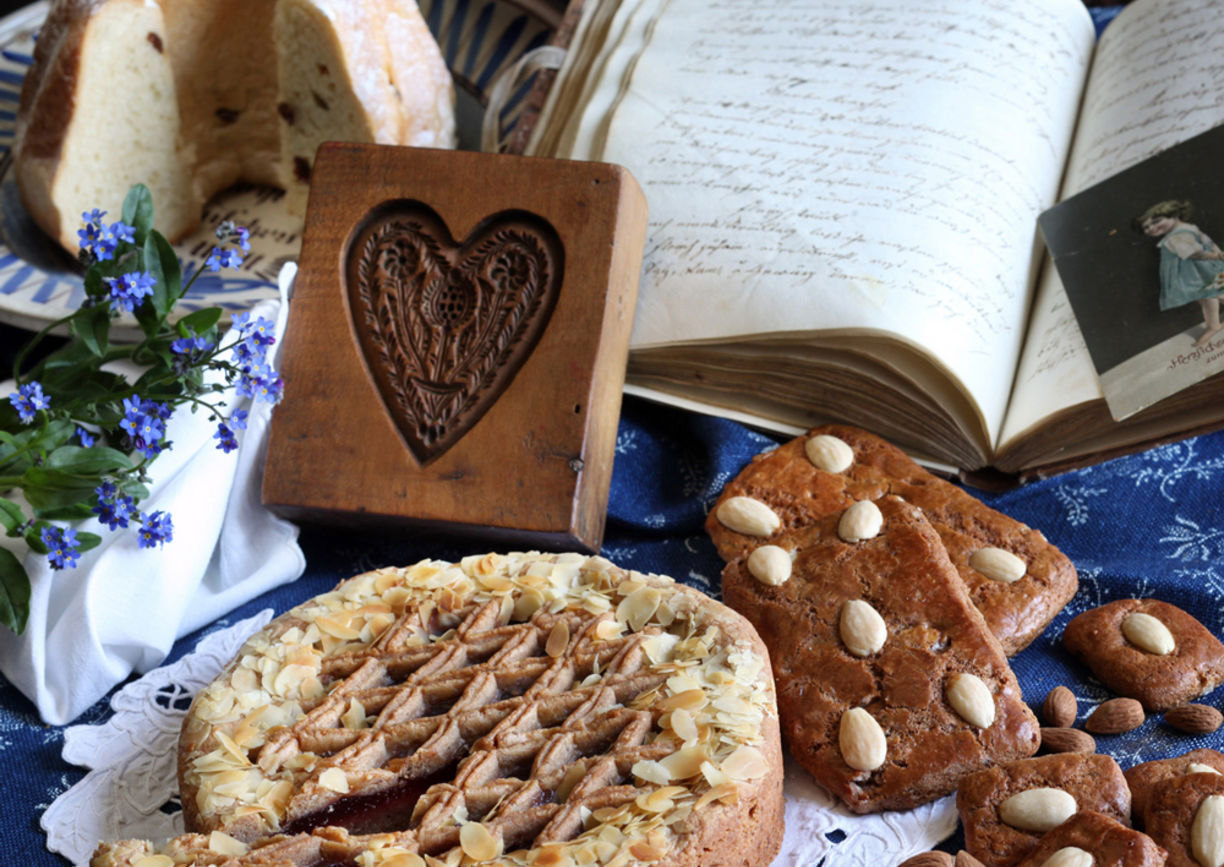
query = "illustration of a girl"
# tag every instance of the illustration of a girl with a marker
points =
(1191, 264)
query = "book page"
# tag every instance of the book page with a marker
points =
(825, 164)
(1155, 82)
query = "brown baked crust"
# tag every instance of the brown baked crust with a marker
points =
(1195, 667)
(1144, 778)
(1111, 843)
(933, 632)
(800, 493)
(484, 686)
(1172, 806)
(1094, 780)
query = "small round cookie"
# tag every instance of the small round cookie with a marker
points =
(513, 709)
(1185, 815)
(1144, 778)
(1090, 839)
(1148, 650)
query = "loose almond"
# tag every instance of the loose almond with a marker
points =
(1148, 634)
(998, 564)
(861, 740)
(1194, 719)
(1207, 832)
(1069, 856)
(1115, 716)
(861, 521)
(829, 453)
(964, 859)
(748, 516)
(1038, 810)
(862, 629)
(929, 859)
(1066, 740)
(1060, 708)
(770, 565)
(970, 697)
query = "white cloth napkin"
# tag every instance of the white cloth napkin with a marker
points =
(122, 607)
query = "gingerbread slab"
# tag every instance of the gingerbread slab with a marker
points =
(1016, 578)
(890, 686)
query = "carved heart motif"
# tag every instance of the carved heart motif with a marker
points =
(444, 326)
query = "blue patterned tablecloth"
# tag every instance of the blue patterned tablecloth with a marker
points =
(1150, 524)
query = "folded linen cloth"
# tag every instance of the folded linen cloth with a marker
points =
(122, 607)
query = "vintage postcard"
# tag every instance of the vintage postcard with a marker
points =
(1140, 257)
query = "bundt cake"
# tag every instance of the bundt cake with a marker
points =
(192, 96)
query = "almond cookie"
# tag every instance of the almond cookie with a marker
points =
(890, 686)
(518, 709)
(1144, 778)
(1017, 579)
(1148, 650)
(1008, 808)
(1090, 839)
(1185, 815)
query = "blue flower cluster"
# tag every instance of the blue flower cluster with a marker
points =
(144, 422)
(256, 377)
(62, 546)
(228, 257)
(227, 440)
(128, 290)
(156, 529)
(29, 399)
(98, 241)
(191, 345)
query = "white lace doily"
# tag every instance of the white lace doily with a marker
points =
(131, 790)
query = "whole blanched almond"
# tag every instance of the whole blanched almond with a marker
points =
(928, 859)
(862, 629)
(1200, 768)
(861, 740)
(1038, 810)
(1207, 832)
(770, 565)
(1060, 708)
(1115, 716)
(861, 521)
(1148, 633)
(1066, 740)
(829, 453)
(748, 516)
(1194, 719)
(970, 697)
(1069, 856)
(998, 564)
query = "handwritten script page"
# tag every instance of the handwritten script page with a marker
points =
(846, 164)
(1155, 82)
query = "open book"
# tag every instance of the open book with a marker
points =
(844, 196)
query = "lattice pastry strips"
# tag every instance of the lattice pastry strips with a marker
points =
(513, 709)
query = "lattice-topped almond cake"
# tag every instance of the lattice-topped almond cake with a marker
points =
(507, 709)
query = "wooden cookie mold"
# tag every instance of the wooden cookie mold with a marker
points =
(456, 344)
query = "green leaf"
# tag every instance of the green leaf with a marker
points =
(201, 321)
(52, 489)
(88, 541)
(14, 592)
(92, 325)
(11, 515)
(83, 461)
(74, 512)
(33, 538)
(138, 211)
(163, 264)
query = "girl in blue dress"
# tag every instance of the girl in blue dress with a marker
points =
(1191, 264)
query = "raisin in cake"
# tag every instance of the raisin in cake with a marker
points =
(517, 709)
(192, 96)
